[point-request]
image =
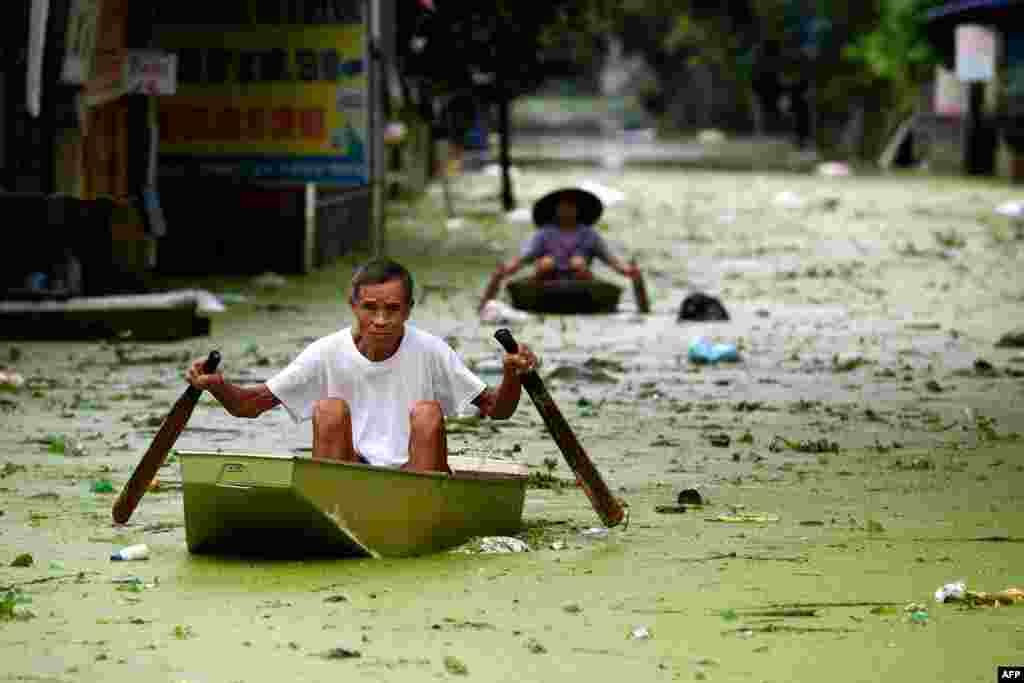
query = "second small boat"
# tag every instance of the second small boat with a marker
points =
(565, 297)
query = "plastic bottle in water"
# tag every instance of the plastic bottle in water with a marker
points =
(132, 552)
(702, 351)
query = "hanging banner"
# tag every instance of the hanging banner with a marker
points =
(948, 96)
(270, 103)
(975, 53)
(80, 42)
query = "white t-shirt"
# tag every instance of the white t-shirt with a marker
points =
(380, 394)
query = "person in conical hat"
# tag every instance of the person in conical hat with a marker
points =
(566, 242)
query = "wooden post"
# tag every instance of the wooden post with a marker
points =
(977, 137)
(508, 199)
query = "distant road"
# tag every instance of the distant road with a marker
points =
(640, 149)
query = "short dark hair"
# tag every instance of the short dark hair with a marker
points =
(379, 271)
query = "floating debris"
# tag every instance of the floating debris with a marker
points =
(487, 545)
(1013, 339)
(535, 646)
(455, 666)
(744, 518)
(957, 592)
(823, 445)
(23, 560)
(101, 486)
(10, 380)
(690, 497)
(183, 632)
(640, 633)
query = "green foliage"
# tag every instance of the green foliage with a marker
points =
(897, 49)
(497, 49)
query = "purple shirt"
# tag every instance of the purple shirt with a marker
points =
(550, 240)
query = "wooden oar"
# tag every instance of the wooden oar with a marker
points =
(640, 291)
(605, 504)
(492, 288)
(162, 443)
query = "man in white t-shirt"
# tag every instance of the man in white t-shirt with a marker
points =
(378, 391)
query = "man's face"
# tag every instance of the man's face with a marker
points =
(381, 311)
(566, 211)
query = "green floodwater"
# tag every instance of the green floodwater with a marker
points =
(860, 312)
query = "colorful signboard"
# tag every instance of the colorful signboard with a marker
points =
(150, 72)
(269, 103)
(975, 53)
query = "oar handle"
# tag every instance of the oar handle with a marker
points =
(507, 341)
(209, 367)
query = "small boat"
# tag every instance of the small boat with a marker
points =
(294, 506)
(564, 296)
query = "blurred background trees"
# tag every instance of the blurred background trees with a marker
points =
(831, 74)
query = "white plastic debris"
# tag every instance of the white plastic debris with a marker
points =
(595, 532)
(1011, 209)
(608, 196)
(789, 200)
(834, 169)
(520, 215)
(9, 379)
(951, 592)
(640, 633)
(500, 313)
(502, 545)
(132, 552)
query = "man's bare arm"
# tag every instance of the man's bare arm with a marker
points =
(501, 403)
(244, 401)
(239, 401)
(493, 404)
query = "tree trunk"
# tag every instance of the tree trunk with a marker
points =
(507, 196)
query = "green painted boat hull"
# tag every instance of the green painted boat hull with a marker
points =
(567, 297)
(291, 506)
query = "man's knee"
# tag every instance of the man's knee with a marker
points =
(427, 416)
(329, 413)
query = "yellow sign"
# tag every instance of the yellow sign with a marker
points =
(267, 102)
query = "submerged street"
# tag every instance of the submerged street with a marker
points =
(863, 452)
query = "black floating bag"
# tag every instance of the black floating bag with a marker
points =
(700, 307)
